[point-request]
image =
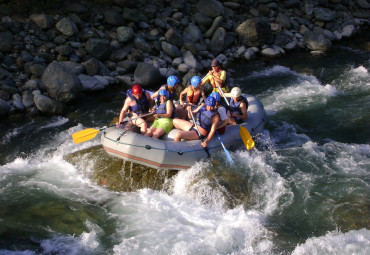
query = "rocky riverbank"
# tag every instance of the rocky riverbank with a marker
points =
(49, 59)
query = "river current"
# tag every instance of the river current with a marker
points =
(304, 189)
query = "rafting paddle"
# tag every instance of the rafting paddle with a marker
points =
(228, 155)
(200, 136)
(90, 133)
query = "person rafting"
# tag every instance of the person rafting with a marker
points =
(137, 103)
(238, 106)
(172, 84)
(216, 77)
(224, 118)
(194, 93)
(206, 122)
(164, 114)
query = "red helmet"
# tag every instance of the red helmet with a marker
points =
(137, 89)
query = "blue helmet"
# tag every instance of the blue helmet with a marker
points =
(195, 81)
(164, 92)
(216, 95)
(211, 101)
(172, 80)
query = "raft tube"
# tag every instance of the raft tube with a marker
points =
(167, 154)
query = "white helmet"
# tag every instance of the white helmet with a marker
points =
(236, 92)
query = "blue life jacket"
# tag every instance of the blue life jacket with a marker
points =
(142, 104)
(162, 109)
(204, 118)
(235, 107)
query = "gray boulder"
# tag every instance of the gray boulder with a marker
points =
(43, 21)
(324, 14)
(193, 33)
(27, 99)
(316, 42)
(210, 8)
(125, 34)
(147, 75)
(170, 50)
(174, 37)
(17, 102)
(60, 82)
(254, 32)
(90, 83)
(67, 27)
(98, 48)
(49, 106)
(220, 40)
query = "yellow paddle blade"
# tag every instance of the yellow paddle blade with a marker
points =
(246, 137)
(84, 135)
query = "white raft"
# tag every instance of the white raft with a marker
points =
(167, 154)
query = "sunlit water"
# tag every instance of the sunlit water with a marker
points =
(303, 190)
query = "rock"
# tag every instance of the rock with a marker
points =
(49, 106)
(43, 21)
(67, 27)
(6, 41)
(98, 48)
(348, 31)
(315, 41)
(92, 66)
(254, 32)
(216, 23)
(174, 37)
(170, 50)
(113, 18)
(249, 54)
(193, 33)
(220, 40)
(90, 83)
(141, 44)
(60, 82)
(4, 108)
(202, 19)
(125, 34)
(283, 20)
(191, 61)
(210, 8)
(324, 14)
(27, 99)
(17, 102)
(147, 75)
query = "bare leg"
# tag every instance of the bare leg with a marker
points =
(182, 124)
(150, 131)
(142, 124)
(158, 133)
(187, 135)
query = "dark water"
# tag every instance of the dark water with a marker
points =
(303, 190)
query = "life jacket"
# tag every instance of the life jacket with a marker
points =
(235, 107)
(162, 109)
(142, 104)
(204, 118)
(218, 75)
(193, 95)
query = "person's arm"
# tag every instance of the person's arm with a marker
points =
(205, 80)
(155, 94)
(215, 121)
(150, 99)
(182, 94)
(203, 95)
(124, 110)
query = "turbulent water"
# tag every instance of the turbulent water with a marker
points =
(304, 189)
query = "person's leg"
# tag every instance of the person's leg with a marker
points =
(182, 124)
(187, 135)
(150, 131)
(158, 133)
(141, 123)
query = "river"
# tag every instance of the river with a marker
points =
(304, 189)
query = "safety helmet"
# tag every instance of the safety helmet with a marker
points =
(164, 92)
(236, 92)
(137, 89)
(172, 80)
(211, 101)
(195, 81)
(216, 96)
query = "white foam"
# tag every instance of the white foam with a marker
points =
(353, 242)
(55, 122)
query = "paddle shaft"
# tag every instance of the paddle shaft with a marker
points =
(200, 136)
(228, 156)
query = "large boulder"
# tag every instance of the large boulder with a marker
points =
(254, 32)
(147, 75)
(43, 21)
(210, 8)
(60, 82)
(316, 41)
(174, 37)
(49, 106)
(220, 40)
(98, 48)
(67, 27)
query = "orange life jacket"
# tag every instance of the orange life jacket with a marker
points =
(218, 75)
(193, 95)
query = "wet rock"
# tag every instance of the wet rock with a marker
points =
(49, 106)
(61, 83)
(44, 21)
(17, 102)
(147, 75)
(254, 32)
(27, 99)
(99, 48)
(315, 41)
(90, 83)
(170, 50)
(67, 27)
(125, 34)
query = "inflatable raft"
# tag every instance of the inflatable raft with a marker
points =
(167, 154)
